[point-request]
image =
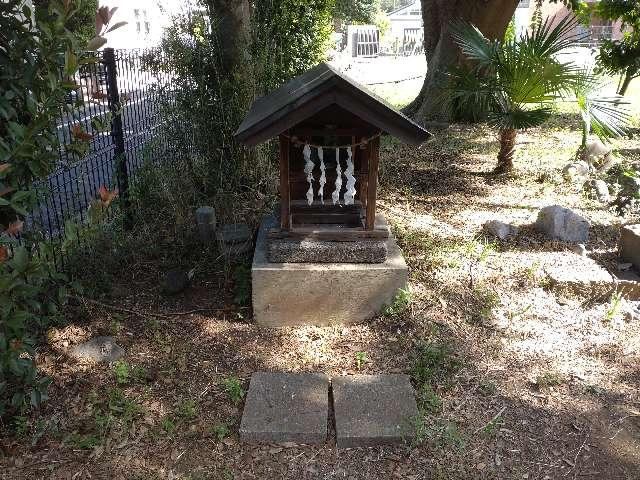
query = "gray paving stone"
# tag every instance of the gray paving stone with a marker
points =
(286, 407)
(373, 410)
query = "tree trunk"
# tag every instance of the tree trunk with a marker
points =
(507, 150)
(628, 76)
(233, 19)
(490, 16)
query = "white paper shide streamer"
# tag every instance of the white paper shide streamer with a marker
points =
(323, 177)
(308, 169)
(336, 192)
(351, 180)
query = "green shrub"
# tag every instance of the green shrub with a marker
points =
(434, 362)
(37, 77)
(31, 293)
(233, 387)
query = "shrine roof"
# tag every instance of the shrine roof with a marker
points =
(315, 90)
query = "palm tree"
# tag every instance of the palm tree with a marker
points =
(602, 115)
(516, 81)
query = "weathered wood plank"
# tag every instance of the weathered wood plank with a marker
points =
(284, 182)
(372, 182)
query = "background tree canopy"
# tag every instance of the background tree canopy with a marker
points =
(82, 23)
(621, 57)
(356, 11)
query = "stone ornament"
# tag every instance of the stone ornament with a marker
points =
(336, 192)
(351, 180)
(308, 169)
(323, 177)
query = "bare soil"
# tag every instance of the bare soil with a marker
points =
(526, 384)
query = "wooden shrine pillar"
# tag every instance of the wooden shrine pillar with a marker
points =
(373, 152)
(285, 197)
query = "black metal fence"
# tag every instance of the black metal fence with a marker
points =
(111, 128)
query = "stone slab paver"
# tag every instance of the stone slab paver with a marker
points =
(286, 407)
(373, 410)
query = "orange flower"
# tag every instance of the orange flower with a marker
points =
(79, 134)
(107, 196)
(99, 95)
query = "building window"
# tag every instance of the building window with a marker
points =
(136, 14)
(146, 28)
(523, 4)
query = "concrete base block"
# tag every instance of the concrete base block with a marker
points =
(584, 277)
(286, 407)
(630, 245)
(287, 294)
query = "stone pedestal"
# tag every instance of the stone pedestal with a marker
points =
(287, 294)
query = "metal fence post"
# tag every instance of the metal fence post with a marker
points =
(117, 132)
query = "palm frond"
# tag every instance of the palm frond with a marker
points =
(608, 119)
(603, 115)
(517, 117)
(474, 44)
(468, 96)
(547, 39)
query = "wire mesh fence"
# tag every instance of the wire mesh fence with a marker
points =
(106, 130)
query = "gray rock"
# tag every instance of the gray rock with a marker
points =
(563, 224)
(313, 251)
(576, 169)
(286, 407)
(176, 281)
(235, 239)
(98, 349)
(596, 150)
(373, 410)
(234, 233)
(579, 249)
(206, 221)
(500, 229)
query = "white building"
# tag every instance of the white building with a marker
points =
(146, 21)
(522, 18)
(406, 31)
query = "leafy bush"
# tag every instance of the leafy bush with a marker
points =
(209, 98)
(38, 69)
(30, 299)
(620, 57)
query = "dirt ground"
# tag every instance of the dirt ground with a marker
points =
(514, 381)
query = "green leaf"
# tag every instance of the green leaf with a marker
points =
(115, 26)
(70, 63)
(95, 43)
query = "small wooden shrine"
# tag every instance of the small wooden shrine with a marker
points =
(329, 128)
